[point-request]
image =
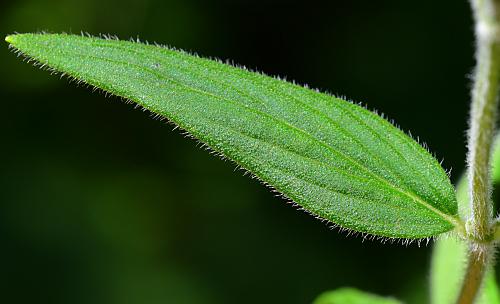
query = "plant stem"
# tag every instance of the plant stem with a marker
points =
(483, 115)
(482, 126)
(476, 268)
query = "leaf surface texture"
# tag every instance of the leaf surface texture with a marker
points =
(334, 158)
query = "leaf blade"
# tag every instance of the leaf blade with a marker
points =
(349, 295)
(335, 159)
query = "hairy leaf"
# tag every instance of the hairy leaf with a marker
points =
(335, 159)
(449, 254)
(352, 296)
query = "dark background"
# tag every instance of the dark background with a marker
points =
(101, 204)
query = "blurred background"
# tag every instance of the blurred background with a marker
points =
(99, 203)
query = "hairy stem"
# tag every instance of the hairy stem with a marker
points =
(476, 268)
(483, 116)
(482, 125)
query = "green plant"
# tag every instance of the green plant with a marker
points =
(336, 160)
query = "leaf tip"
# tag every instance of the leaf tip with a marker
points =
(10, 39)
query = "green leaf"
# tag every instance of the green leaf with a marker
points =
(352, 296)
(450, 253)
(335, 159)
(490, 293)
